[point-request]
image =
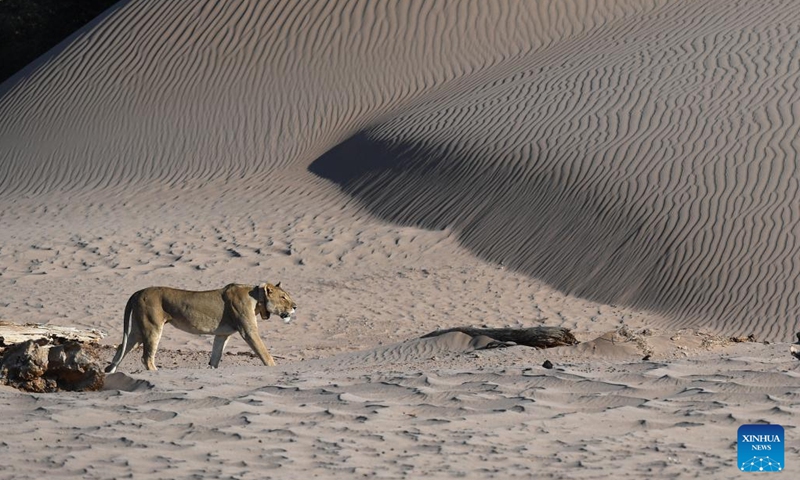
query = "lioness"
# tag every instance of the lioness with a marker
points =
(220, 312)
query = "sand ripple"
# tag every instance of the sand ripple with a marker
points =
(315, 417)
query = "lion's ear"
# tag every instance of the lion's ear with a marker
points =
(278, 285)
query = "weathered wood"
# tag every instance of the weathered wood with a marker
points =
(539, 337)
(13, 333)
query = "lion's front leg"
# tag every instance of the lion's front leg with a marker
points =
(216, 352)
(249, 332)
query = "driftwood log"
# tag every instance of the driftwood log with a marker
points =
(13, 333)
(539, 337)
(45, 358)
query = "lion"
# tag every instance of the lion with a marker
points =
(220, 312)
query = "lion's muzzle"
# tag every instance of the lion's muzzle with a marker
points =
(287, 316)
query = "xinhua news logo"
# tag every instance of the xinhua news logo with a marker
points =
(760, 448)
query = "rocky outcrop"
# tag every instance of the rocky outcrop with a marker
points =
(43, 366)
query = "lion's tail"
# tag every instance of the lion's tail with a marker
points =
(126, 331)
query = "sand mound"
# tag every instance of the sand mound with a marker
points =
(120, 381)
(415, 350)
(629, 153)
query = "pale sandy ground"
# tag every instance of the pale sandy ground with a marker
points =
(402, 167)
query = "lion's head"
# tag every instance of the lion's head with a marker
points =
(275, 300)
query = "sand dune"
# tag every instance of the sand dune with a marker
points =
(624, 169)
(616, 166)
(636, 153)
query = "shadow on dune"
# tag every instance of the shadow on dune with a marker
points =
(572, 237)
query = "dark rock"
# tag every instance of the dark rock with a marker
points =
(40, 366)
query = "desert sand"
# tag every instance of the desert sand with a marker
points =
(627, 170)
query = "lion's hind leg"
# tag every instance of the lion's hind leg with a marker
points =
(150, 345)
(150, 339)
